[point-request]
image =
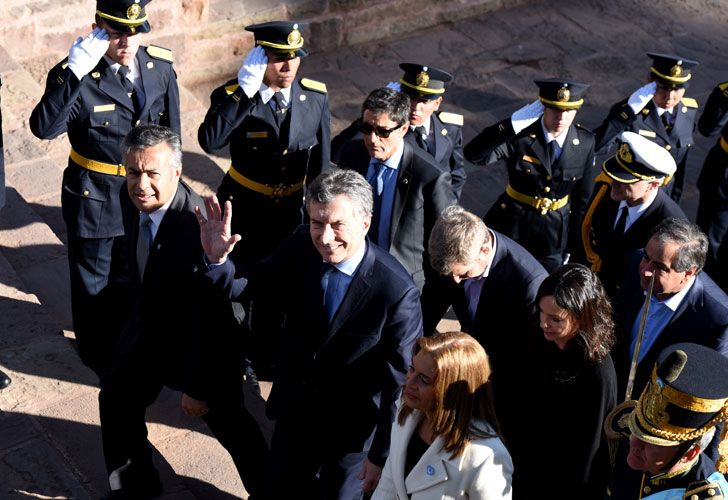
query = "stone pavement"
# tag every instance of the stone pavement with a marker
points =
(49, 436)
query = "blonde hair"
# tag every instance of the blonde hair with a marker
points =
(463, 393)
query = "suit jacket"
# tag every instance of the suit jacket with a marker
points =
(97, 114)
(336, 370)
(423, 191)
(530, 172)
(165, 328)
(483, 470)
(614, 251)
(701, 318)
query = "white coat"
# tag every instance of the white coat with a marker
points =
(483, 471)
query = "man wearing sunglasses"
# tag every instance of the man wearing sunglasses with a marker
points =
(410, 189)
(658, 111)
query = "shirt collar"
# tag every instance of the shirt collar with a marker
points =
(133, 68)
(350, 265)
(266, 94)
(426, 125)
(493, 246)
(549, 137)
(674, 301)
(660, 110)
(158, 215)
(393, 161)
(636, 211)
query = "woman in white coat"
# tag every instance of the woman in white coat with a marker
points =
(445, 443)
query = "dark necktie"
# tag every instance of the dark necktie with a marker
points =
(129, 89)
(668, 119)
(144, 242)
(421, 137)
(377, 182)
(331, 283)
(553, 151)
(473, 288)
(281, 109)
(621, 225)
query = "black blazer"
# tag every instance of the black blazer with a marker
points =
(424, 190)
(337, 368)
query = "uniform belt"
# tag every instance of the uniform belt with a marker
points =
(278, 191)
(723, 144)
(542, 204)
(97, 166)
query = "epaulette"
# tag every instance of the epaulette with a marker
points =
(230, 89)
(160, 53)
(723, 86)
(689, 102)
(451, 118)
(309, 84)
(704, 490)
(582, 127)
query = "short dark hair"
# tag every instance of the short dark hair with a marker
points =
(578, 290)
(332, 183)
(384, 100)
(148, 136)
(691, 241)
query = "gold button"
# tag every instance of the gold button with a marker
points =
(573, 178)
(106, 123)
(647, 489)
(547, 189)
(528, 170)
(137, 123)
(230, 197)
(668, 147)
(255, 148)
(503, 205)
(694, 497)
(711, 491)
(285, 151)
(548, 177)
(86, 192)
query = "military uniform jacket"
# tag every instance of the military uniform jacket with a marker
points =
(260, 150)
(613, 251)
(97, 114)
(648, 123)
(530, 172)
(714, 118)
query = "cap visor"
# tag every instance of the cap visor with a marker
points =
(145, 27)
(614, 170)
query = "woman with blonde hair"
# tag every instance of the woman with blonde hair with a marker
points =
(445, 443)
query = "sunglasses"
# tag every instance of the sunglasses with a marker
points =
(366, 129)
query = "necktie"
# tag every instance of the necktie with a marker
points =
(621, 225)
(144, 242)
(281, 109)
(473, 287)
(129, 88)
(554, 151)
(421, 137)
(332, 285)
(668, 120)
(377, 181)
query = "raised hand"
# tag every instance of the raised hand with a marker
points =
(86, 53)
(525, 116)
(217, 242)
(250, 76)
(641, 97)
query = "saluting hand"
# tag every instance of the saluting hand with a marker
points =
(250, 76)
(217, 242)
(641, 97)
(86, 53)
(525, 116)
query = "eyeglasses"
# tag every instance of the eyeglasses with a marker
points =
(367, 128)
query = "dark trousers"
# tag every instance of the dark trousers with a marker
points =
(134, 385)
(99, 297)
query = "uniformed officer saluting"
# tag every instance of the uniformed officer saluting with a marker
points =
(277, 126)
(105, 87)
(548, 158)
(658, 111)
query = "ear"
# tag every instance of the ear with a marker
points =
(690, 273)
(438, 101)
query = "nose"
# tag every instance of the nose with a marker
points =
(327, 235)
(143, 181)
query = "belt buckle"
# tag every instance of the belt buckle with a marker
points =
(544, 204)
(279, 191)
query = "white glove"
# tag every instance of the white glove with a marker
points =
(641, 97)
(525, 116)
(250, 76)
(86, 53)
(395, 86)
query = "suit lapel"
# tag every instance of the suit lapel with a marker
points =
(110, 85)
(654, 122)
(357, 294)
(493, 278)
(431, 470)
(297, 109)
(404, 178)
(398, 448)
(538, 146)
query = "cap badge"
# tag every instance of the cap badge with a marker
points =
(655, 404)
(294, 37)
(422, 79)
(676, 70)
(133, 11)
(624, 153)
(563, 95)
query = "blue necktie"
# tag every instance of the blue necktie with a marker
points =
(332, 285)
(473, 287)
(144, 242)
(377, 180)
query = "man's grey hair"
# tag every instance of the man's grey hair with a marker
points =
(691, 241)
(384, 100)
(455, 239)
(148, 136)
(335, 182)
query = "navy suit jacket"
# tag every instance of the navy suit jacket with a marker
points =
(424, 190)
(337, 368)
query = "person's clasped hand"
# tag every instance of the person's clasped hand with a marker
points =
(525, 116)
(86, 53)
(250, 76)
(641, 97)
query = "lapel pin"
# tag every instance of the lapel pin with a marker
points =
(684, 109)
(430, 470)
(302, 97)
(444, 132)
(95, 75)
(159, 245)
(405, 181)
(150, 64)
(575, 142)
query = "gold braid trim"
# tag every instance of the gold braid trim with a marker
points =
(722, 463)
(688, 435)
(591, 255)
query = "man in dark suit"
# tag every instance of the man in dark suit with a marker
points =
(626, 206)
(166, 341)
(686, 305)
(352, 317)
(550, 170)
(410, 189)
(102, 90)
(658, 111)
(491, 282)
